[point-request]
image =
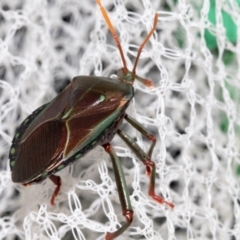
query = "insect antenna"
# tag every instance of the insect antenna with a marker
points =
(114, 34)
(143, 44)
(130, 76)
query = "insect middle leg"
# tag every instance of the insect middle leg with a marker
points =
(150, 165)
(122, 191)
(145, 133)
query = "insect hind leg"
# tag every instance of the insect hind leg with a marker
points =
(122, 191)
(150, 165)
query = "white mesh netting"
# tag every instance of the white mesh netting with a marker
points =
(193, 112)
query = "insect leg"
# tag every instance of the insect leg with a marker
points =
(143, 131)
(57, 181)
(122, 190)
(150, 165)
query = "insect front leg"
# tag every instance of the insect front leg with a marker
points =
(122, 191)
(150, 165)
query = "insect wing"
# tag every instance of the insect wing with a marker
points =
(90, 118)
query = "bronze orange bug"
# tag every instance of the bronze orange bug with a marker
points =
(87, 113)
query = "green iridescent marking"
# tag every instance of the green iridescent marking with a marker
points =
(12, 151)
(17, 135)
(60, 167)
(102, 98)
(67, 113)
(26, 120)
(44, 174)
(12, 163)
(78, 155)
(93, 143)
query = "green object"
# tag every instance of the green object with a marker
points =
(238, 170)
(228, 23)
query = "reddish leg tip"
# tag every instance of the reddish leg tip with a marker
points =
(171, 205)
(108, 236)
(52, 200)
(159, 199)
(148, 83)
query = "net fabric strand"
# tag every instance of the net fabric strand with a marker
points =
(193, 110)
